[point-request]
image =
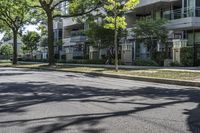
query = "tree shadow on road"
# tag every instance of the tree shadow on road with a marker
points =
(15, 97)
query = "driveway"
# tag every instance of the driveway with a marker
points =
(57, 102)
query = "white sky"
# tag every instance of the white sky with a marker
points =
(31, 28)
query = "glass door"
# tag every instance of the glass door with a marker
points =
(197, 8)
(191, 8)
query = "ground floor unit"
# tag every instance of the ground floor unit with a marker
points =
(133, 49)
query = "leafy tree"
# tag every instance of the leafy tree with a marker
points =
(51, 10)
(30, 40)
(99, 37)
(44, 41)
(7, 35)
(116, 20)
(150, 30)
(13, 16)
(6, 50)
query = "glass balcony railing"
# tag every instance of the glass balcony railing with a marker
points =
(182, 13)
(77, 33)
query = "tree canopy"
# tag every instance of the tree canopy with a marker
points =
(48, 10)
(30, 40)
(14, 14)
(149, 29)
(116, 20)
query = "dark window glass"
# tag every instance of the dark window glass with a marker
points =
(198, 3)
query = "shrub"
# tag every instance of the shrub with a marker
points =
(175, 64)
(140, 62)
(186, 56)
(6, 50)
(158, 57)
(87, 61)
(34, 60)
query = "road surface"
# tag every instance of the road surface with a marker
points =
(56, 102)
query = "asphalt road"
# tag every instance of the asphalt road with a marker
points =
(57, 102)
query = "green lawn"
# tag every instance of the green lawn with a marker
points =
(153, 73)
(5, 62)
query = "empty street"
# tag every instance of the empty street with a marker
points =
(33, 101)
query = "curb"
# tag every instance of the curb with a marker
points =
(145, 79)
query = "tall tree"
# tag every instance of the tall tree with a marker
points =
(116, 20)
(99, 37)
(151, 30)
(13, 15)
(52, 9)
(31, 40)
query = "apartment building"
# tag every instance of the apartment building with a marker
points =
(58, 35)
(74, 39)
(183, 24)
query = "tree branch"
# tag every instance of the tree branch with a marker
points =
(77, 14)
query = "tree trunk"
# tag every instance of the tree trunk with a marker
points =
(166, 50)
(99, 50)
(14, 60)
(116, 50)
(50, 40)
(151, 48)
(32, 55)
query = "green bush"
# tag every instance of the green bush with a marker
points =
(34, 60)
(158, 57)
(140, 62)
(87, 61)
(186, 56)
(175, 64)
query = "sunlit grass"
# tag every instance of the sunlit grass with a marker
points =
(151, 73)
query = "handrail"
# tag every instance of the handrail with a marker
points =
(182, 13)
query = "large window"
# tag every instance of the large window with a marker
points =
(198, 8)
(197, 3)
(189, 7)
(191, 3)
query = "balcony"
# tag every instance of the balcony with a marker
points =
(78, 36)
(78, 39)
(153, 2)
(182, 13)
(179, 43)
(183, 18)
(66, 41)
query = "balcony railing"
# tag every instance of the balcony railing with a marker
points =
(78, 39)
(182, 13)
(78, 33)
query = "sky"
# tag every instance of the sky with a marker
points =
(31, 28)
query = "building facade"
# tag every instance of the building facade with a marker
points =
(183, 25)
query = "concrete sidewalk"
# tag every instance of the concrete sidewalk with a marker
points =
(190, 69)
